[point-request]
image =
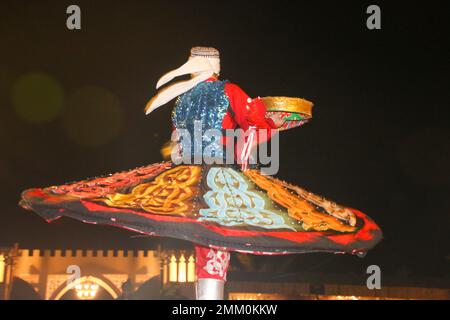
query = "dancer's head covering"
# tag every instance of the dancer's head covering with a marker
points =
(203, 63)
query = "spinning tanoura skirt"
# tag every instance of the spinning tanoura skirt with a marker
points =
(216, 206)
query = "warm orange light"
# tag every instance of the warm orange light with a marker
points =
(182, 269)
(173, 270)
(256, 296)
(2, 268)
(191, 269)
(345, 298)
(86, 290)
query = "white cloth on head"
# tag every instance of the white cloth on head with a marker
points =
(202, 68)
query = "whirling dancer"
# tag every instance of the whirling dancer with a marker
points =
(203, 197)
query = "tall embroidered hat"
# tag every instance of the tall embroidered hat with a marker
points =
(203, 62)
(208, 52)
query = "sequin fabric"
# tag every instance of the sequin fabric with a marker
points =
(202, 108)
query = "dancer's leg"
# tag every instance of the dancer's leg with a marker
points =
(211, 268)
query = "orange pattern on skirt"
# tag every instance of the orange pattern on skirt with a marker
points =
(169, 194)
(298, 208)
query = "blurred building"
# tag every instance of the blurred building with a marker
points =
(89, 274)
(165, 274)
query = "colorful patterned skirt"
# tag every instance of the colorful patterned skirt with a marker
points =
(217, 206)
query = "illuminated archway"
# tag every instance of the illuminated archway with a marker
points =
(101, 282)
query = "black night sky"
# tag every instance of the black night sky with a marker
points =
(379, 140)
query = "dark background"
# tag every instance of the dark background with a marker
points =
(379, 140)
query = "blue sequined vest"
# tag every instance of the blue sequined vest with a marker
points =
(202, 108)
